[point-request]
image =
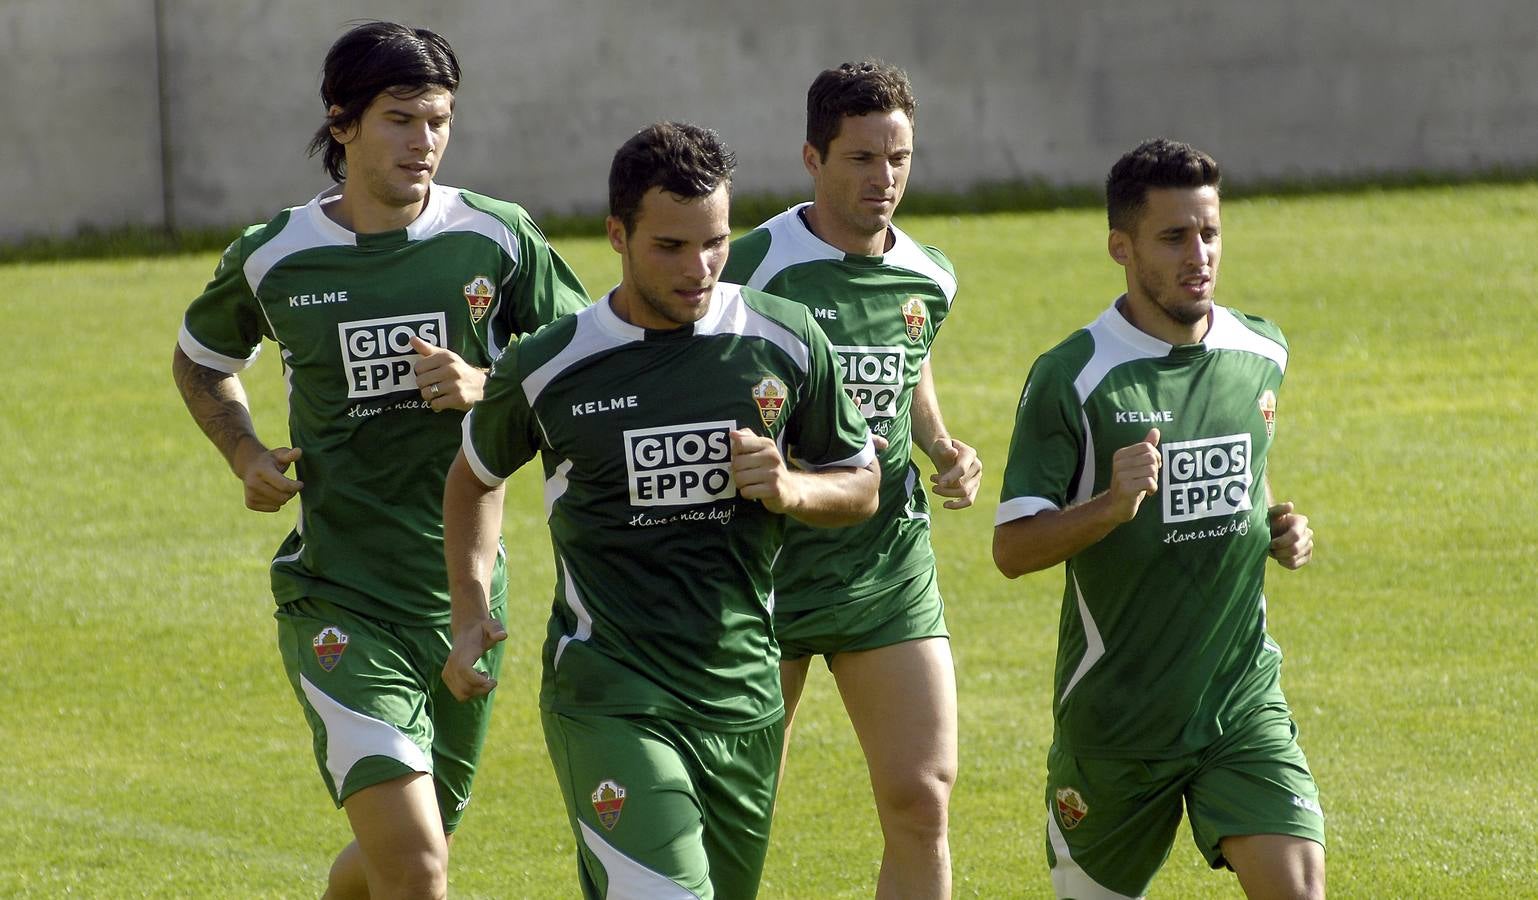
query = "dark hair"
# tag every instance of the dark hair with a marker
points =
(854, 89)
(1157, 163)
(371, 59)
(685, 160)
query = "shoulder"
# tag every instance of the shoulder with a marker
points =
(778, 310)
(1261, 326)
(507, 212)
(924, 260)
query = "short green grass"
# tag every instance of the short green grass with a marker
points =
(154, 748)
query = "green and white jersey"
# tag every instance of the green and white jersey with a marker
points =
(882, 314)
(470, 274)
(1162, 638)
(663, 592)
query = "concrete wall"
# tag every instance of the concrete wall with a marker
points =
(1008, 89)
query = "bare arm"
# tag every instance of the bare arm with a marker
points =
(217, 402)
(1047, 538)
(958, 471)
(472, 518)
(827, 498)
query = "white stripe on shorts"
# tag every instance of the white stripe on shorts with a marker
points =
(628, 879)
(1068, 880)
(350, 736)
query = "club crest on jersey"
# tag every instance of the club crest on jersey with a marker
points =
(608, 800)
(1207, 478)
(330, 644)
(479, 293)
(770, 394)
(1268, 412)
(914, 316)
(1071, 808)
(680, 465)
(377, 354)
(873, 378)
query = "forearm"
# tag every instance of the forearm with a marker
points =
(1049, 537)
(217, 402)
(832, 498)
(472, 519)
(926, 423)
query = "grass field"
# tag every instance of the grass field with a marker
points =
(155, 749)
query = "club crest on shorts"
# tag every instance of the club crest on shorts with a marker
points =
(479, 293)
(1071, 808)
(608, 800)
(1268, 412)
(914, 316)
(770, 394)
(330, 644)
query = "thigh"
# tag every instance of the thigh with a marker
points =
(1254, 781)
(901, 700)
(1110, 823)
(459, 727)
(362, 695)
(736, 775)
(631, 800)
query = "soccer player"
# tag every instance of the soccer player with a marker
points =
(388, 296)
(664, 415)
(1139, 458)
(866, 598)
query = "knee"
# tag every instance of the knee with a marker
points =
(424, 874)
(919, 803)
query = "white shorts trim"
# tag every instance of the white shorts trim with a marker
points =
(350, 736)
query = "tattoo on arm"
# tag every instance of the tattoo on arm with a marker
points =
(217, 402)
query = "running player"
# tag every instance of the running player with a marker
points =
(866, 598)
(388, 296)
(1140, 459)
(663, 415)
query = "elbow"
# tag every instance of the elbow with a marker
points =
(1003, 561)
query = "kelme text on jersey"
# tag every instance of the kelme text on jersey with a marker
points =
(873, 378)
(680, 465)
(1206, 478)
(377, 353)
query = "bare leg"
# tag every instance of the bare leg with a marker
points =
(400, 848)
(1276, 866)
(902, 702)
(792, 682)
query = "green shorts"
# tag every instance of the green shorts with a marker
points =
(1111, 822)
(657, 805)
(906, 611)
(374, 697)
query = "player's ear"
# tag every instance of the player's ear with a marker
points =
(811, 159)
(341, 135)
(1119, 245)
(616, 231)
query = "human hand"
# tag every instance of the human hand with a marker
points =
(470, 644)
(958, 472)
(760, 471)
(267, 486)
(1135, 475)
(445, 380)
(1292, 541)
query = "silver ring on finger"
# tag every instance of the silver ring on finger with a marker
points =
(435, 390)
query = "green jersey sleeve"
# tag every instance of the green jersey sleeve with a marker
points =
(827, 429)
(1046, 451)
(500, 431)
(223, 328)
(544, 287)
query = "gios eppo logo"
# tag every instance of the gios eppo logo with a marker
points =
(377, 354)
(873, 376)
(680, 465)
(1206, 478)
